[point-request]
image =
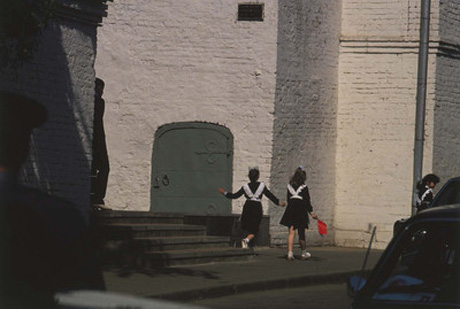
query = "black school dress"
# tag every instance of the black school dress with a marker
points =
(252, 209)
(298, 208)
(424, 198)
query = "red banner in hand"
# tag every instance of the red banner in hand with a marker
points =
(322, 228)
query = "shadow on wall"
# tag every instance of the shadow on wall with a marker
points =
(62, 79)
(306, 98)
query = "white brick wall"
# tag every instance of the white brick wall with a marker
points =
(166, 62)
(342, 101)
(388, 20)
(376, 117)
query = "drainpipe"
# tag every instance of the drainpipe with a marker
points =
(421, 96)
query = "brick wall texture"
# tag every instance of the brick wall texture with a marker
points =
(306, 105)
(326, 84)
(376, 112)
(167, 62)
(446, 113)
(61, 77)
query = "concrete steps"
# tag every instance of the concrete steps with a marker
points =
(171, 242)
(136, 230)
(146, 240)
(198, 256)
(119, 217)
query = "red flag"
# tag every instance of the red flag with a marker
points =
(322, 228)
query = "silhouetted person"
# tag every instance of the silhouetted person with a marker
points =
(100, 165)
(44, 239)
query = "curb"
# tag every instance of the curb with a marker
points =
(255, 286)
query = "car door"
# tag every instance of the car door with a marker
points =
(422, 270)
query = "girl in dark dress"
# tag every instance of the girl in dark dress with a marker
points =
(296, 214)
(252, 209)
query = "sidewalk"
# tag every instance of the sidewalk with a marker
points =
(268, 269)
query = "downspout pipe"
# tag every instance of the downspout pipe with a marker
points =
(421, 96)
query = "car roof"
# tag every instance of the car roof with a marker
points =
(443, 188)
(447, 211)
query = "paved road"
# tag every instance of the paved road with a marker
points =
(332, 296)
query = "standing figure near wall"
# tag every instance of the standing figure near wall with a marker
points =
(100, 165)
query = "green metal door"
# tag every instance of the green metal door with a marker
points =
(190, 161)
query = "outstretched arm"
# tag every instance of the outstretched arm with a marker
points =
(231, 195)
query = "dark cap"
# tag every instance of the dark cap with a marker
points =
(20, 111)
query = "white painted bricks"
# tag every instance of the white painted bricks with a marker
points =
(327, 84)
(166, 62)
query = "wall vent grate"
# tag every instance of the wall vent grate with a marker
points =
(251, 12)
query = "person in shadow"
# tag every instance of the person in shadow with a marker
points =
(100, 166)
(45, 240)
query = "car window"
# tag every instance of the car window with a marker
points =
(448, 195)
(425, 267)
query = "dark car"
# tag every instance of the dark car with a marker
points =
(420, 268)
